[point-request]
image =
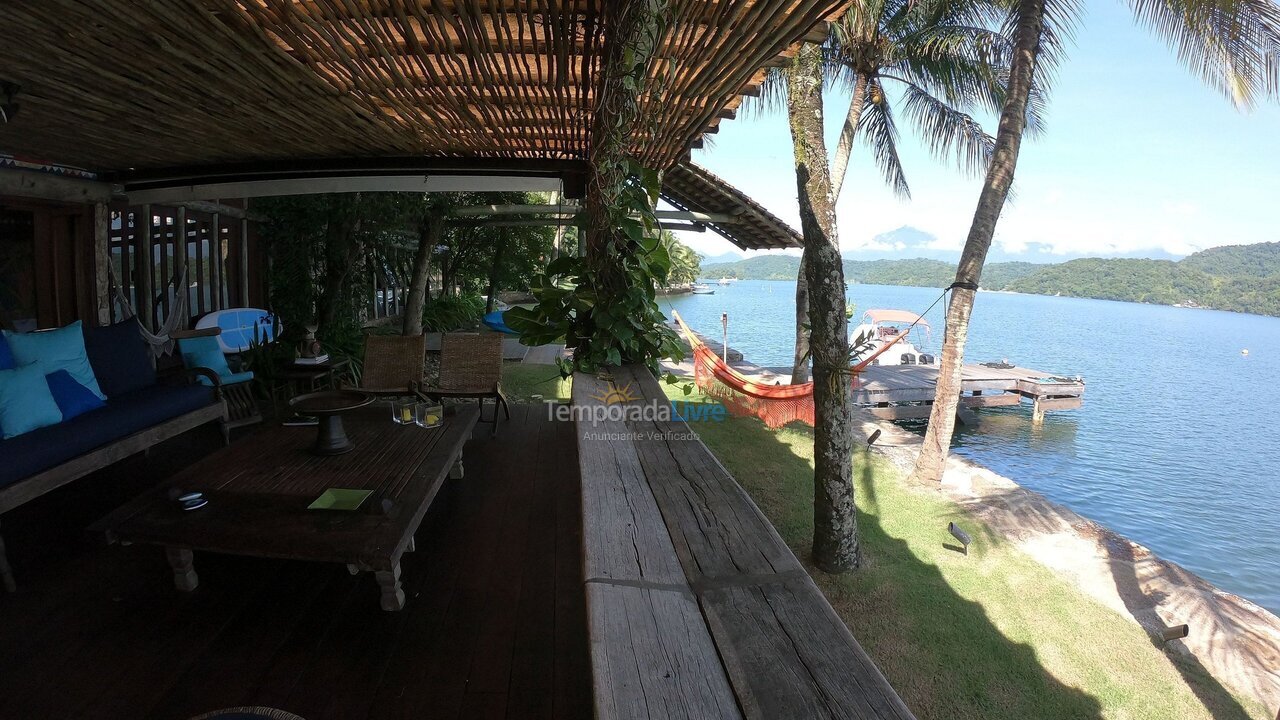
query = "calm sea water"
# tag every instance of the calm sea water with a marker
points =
(1177, 445)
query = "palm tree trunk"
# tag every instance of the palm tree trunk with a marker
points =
(839, 164)
(844, 148)
(995, 190)
(428, 238)
(800, 366)
(835, 528)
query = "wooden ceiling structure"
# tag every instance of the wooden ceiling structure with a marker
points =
(691, 187)
(184, 91)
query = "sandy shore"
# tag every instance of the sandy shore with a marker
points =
(1230, 637)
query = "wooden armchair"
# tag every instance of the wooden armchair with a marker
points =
(393, 364)
(471, 367)
(202, 356)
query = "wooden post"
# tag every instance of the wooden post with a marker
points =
(143, 267)
(101, 256)
(244, 263)
(215, 262)
(184, 574)
(1037, 413)
(164, 263)
(493, 271)
(180, 250)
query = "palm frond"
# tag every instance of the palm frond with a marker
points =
(879, 132)
(1233, 45)
(947, 131)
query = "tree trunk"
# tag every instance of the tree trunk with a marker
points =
(493, 271)
(835, 529)
(631, 27)
(800, 365)
(844, 148)
(839, 164)
(342, 254)
(428, 238)
(995, 190)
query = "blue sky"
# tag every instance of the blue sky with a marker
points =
(1140, 158)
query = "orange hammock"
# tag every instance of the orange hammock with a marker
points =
(776, 405)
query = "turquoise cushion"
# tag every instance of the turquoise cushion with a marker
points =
(204, 352)
(26, 403)
(73, 398)
(54, 350)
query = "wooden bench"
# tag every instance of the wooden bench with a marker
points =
(696, 607)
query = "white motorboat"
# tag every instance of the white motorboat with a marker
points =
(881, 327)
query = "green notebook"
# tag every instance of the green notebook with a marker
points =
(339, 499)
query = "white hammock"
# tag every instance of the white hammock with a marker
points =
(160, 341)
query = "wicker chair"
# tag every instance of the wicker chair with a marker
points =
(393, 364)
(471, 367)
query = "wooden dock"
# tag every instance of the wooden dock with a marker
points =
(905, 392)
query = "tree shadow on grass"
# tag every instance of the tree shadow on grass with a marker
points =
(939, 650)
(1141, 605)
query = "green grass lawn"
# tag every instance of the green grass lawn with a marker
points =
(994, 635)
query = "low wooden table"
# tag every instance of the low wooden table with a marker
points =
(259, 489)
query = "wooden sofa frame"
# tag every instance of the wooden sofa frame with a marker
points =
(28, 489)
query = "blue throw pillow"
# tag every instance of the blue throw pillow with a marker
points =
(6, 356)
(73, 398)
(54, 350)
(120, 358)
(25, 401)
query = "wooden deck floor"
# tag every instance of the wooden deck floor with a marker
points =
(495, 624)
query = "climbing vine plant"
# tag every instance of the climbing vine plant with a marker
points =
(604, 306)
(614, 323)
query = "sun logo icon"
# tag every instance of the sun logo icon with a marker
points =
(617, 395)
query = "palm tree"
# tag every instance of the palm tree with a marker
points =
(835, 529)
(942, 59)
(1234, 45)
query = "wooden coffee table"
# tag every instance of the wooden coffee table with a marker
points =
(259, 489)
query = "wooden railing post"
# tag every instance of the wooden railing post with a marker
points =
(101, 256)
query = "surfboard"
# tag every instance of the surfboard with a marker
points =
(239, 327)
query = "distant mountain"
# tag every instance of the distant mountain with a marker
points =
(1260, 260)
(921, 272)
(723, 258)
(1244, 278)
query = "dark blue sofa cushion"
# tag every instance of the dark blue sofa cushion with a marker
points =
(30, 453)
(6, 355)
(119, 358)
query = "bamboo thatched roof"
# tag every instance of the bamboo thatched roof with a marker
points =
(118, 85)
(690, 186)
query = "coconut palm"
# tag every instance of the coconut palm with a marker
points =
(942, 60)
(1233, 45)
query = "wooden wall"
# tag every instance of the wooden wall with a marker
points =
(60, 253)
(224, 258)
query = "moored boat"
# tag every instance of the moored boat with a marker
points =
(881, 327)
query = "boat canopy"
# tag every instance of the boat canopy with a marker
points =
(894, 316)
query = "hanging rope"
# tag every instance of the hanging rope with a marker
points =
(161, 341)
